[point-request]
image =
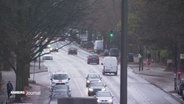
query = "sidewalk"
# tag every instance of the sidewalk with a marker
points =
(10, 76)
(156, 75)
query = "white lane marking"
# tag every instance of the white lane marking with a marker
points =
(78, 87)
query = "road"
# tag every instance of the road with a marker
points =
(139, 90)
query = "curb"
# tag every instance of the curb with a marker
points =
(170, 93)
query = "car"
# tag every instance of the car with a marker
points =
(104, 97)
(72, 50)
(180, 87)
(110, 65)
(92, 77)
(114, 52)
(53, 49)
(47, 57)
(94, 87)
(93, 59)
(130, 57)
(60, 91)
(59, 78)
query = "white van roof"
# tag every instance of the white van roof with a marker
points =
(110, 59)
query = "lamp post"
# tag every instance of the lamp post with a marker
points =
(123, 72)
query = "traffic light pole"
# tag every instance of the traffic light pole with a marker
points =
(123, 71)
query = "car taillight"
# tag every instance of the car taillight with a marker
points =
(89, 58)
(97, 58)
(76, 51)
(68, 50)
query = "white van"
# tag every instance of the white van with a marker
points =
(98, 46)
(110, 65)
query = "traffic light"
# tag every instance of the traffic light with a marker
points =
(111, 34)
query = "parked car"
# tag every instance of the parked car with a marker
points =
(92, 77)
(110, 65)
(131, 57)
(59, 78)
(93, 59)
(72, 50)
(95, 87)
(104, 97)
(180, 87)
(60, 91)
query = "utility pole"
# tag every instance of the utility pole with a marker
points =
(123, 74)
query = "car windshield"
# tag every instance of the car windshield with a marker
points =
(103, 94)
(72, 48)
(94, 76)
(97, 84)
(59, 95)
(94, 56)
(60, 76)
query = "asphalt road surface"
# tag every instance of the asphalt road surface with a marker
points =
(139, 90)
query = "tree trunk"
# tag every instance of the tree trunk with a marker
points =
(19, 80)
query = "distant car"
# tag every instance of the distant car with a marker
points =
(95, 87)
(93, 59)
(87, 44)
(60, 91)
(47, 57)
(72, 50)
(130, 57)
(53, 49)
(104, 97)
(59, 78)
(114, 52)
(91, 77)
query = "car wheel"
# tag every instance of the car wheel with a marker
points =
(89, 94)
(98, 63)
(115, 73)
(103, 72)
(88, 62)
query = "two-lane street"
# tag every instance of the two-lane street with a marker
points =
(139, 90)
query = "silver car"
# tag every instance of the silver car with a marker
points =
(104, 97)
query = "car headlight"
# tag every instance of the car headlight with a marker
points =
(88, 81)
(98, 100)
(90, 89)
(103, 89)
(110, 100)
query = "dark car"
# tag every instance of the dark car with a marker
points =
(87, 44)
(72, 50)
(180, 87)
(93, 59)
(94, 87)
(92, 77)
(59, 91)
(130, 57)
(114, 52)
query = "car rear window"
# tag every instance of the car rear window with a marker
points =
(60, 76)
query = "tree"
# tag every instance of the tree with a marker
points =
(27, 27)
